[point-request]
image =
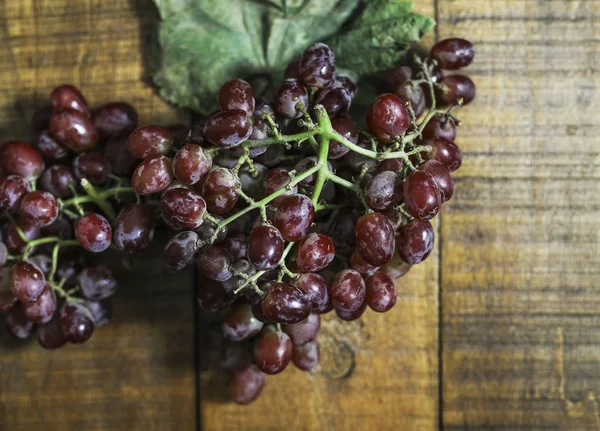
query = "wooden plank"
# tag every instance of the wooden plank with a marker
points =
(380, 373)
(138, 372)
(521, 252)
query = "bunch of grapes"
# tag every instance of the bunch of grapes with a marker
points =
(288, 207)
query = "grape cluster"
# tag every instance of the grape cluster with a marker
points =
(288, 207)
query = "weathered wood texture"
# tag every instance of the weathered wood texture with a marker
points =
(138, 372)
(520, 249)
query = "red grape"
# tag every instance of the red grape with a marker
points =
(180, 251)
(272, 351)
(455, 87)
(441, 176)
(66, 97)
(358, 264)
(397, 76)
(413, 94)
(336, 101)
(415, 241)
(97, 282)
(18, 324)
(42, 309)
(76, 322)
(294, 217)
(12, 190)
(388, 118)
(317, 66)
(191, 163)
(304, 165)
(58, 180)
(74, 130)
(182, 208)
(445, 152)
(101, 311)
(374, 238)
(352, 315)
(246, 385)
(228, 128)
(276, 179)
(304, 331)
(215, 263)
(315, 251)
(149, 141)
(315, 287)
(236, 245)
(287, 304)
(27, 281)
(212, 296)
(20, 158)
(288, 98)
(220, 191)
(265, 247)
(422, 195)
(347, 291)
(93, 232)
(440, 126)
(306, 356)
(51, 335)
(384, 190)
(50, 148)
(240, 324)
(14, 242)
(381, 292)
(39, 209)
(236, 94)
(92, 166)
(115, 119)
(346, 127)
(134, 228)
(453, 53)
(122, 162)
(153, 175)
(393, 165)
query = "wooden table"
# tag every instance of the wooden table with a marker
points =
(499, 330)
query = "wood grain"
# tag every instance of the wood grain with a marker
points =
(520, 253)
(138, 372)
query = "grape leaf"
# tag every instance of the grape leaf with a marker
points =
(203, 43)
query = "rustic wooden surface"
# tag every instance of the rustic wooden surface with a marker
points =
(513, 345)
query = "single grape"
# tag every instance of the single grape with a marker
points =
(76, 322)
(207, 230)
(39, 209)
(58, 180)
(42, 309)
(182, 208)
(240, 324)
(315, 251)
(347, 291)
(20, 158)
(12, 190)
(215, 263)
(134, 228)
(66, 97)
(441, 177)
(346, 127)
(304, 331)
(191, 163)
(276, 179)
(351, 315)
(453, 53)
(289, 97)
(396, 267)
(381, 292)
(212, 296)
(317, 66)
(236, 94)
(41, 119)
(413, 94)
(304, 165)
(27, 281)
(236, 245)
(374, 237)
(180, 251)
(422, 195)
(384, 190)
(315, 287)
(397, 76)
(101, 311)
(294, 217)
(14, 242)
(272, 351)
(388, 118)
(123, 164)
(336, 101)
(440, 126)
(415, 241)
(265, 247)
(50, 149)
(455, 87)
(116, 118)
(358, 264)
(153, 175)
(149, 141)
(444, 151)
(97, 282)
(246, 385)
(286, 304)
(74, 130)
(92, 166)
(17, 323)
(392, 165)
(228, 128)
(93, 232)
(306, 356)
(221, 191)
(51, 335)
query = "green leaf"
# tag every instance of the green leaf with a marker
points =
(204, 43)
